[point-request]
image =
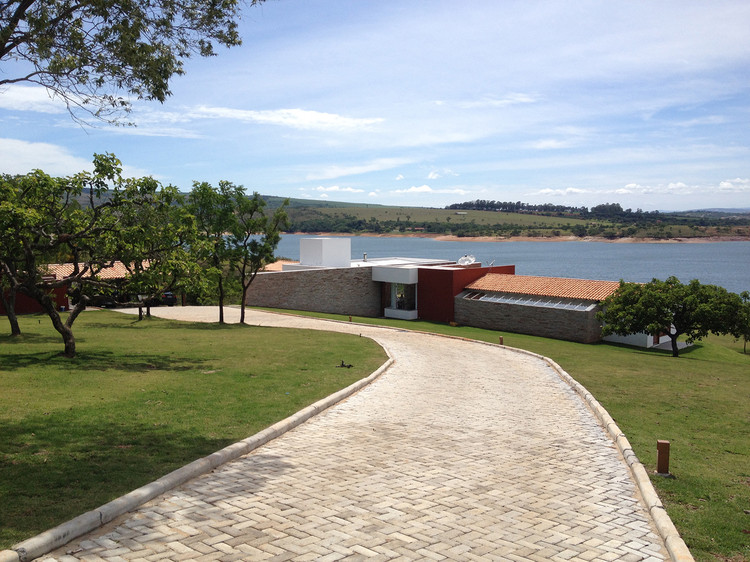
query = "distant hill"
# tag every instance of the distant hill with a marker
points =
(275, 201)
(719, 211)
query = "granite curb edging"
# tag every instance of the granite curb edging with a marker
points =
(62, 534)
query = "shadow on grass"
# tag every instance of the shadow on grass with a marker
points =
(54, 468)
(651, 350)
(100, 361)
(29, 337)
(165, 324)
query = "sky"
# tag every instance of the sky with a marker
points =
(433, 102)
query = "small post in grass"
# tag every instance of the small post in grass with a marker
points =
(662, 457)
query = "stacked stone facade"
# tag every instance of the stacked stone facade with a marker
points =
(334, 290)
(562, 324)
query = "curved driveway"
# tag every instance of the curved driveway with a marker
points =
(459, 451)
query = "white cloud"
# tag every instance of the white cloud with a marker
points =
(550, 144)
(433, 175)
(338, 189)
(332, 172)
(372, 194)
(21, 157)
(561, 192)
(30, 98)
(294, 118)
(427, 189)
(493, 101)
(399, 177)
(737, 185)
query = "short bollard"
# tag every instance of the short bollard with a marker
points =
(501, 340)
(662, 457)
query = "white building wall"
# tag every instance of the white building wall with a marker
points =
(325, 252)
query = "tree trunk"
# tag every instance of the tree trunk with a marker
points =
(242, 304)
(675, 348)
(9, 303)
(64, 330)
(221, 300)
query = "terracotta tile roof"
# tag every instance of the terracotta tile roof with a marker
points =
(277, 265)
(560, 287)
(63, 270)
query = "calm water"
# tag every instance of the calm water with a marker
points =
(719, 263)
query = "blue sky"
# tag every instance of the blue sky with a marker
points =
(432, 102)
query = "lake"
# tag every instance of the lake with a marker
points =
(718, 263)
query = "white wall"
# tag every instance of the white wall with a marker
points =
(325, 252)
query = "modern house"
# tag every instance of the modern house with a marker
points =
(326, 279)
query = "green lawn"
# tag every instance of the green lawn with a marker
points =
(142, 399)
(700, 402)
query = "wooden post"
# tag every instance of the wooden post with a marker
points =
(662, 457)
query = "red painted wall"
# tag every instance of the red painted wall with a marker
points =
(437, 287)
(27, 305)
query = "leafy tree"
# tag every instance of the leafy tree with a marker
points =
(254, 238)
(671, 308)
(214, 211)
(161, 228)
(8, 292)
(91, 220)
(91, 52)
(742, 329)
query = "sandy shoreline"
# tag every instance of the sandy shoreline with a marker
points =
(450, 238)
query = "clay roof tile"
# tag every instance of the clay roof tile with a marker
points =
(559, 287)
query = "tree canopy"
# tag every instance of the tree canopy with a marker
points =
(670, 307)
(97, 54)
(91, 221)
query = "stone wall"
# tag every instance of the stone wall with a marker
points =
(572, 325)
(334, 290)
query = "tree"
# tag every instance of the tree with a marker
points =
(214, 211)
(91, 220)
(10, 251)
(8, 292)
(254, 238)
(160, 228)
(671, 308)
(96, 54)
(742, 329)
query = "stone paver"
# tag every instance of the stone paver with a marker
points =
(460, 451)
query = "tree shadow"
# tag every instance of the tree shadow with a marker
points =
(56, 467)
(101, 361)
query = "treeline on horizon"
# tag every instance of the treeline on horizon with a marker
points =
(611, 211)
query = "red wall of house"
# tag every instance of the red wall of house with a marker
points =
(27, 305)
(437, 287)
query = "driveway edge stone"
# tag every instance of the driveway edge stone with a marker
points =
(62, 534)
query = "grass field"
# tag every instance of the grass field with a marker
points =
(142, 399)
(700, 402)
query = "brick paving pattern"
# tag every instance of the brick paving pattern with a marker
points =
(460, 451)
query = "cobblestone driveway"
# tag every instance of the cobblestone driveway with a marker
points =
(460, 451)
